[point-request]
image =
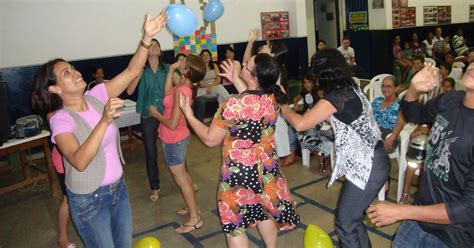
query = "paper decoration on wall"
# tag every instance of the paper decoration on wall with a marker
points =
(196, 43)
(433, 15)
(471, 13)
(404, 17)
(399, 3)
(275, 25)
(358, 20)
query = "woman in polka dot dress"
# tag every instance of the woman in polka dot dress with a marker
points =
(252, 189)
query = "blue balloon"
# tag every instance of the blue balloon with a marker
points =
(213, 10)
(181, 20)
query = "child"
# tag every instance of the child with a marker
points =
(418, 64)
(448, 84)
(444, 70)
(407, 51)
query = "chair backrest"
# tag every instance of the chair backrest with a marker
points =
(356, 80)
(402, 94)
(459, 64)
(373, 89)
(459, 85)
(430, 60)
(456, 73)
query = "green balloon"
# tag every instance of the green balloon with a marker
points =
(315, 237)
(147, 242)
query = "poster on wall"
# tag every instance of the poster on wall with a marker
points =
(358, 20)
(275, 25)
(407, 17)
(433, 15)
(396, 17)
(430, 15)
(444, 14)
(377, 4)
(471, 13)
(399, 3)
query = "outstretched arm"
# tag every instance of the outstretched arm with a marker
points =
(383, 214)
(253, 35)
(320, 112)
(131, 88)
(211, 136)
(151, 27)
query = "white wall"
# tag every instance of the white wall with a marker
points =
(34, 31)
(311, 37)
(383, 17)
(327, 30)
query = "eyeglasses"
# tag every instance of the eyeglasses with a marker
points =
(246, 68)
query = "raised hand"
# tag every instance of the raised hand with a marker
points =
(426, 79)
(231, 70)
(175, 65)
(185, 105)
(153, 26)
(253, 35)
(110, 109)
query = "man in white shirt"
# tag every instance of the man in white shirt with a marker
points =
(347, 51)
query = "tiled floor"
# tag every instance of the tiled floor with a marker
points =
(28, 217)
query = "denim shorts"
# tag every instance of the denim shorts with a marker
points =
(175, 154)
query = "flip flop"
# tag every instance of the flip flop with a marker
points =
(191, 227)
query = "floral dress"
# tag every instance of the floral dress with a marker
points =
(251, 183)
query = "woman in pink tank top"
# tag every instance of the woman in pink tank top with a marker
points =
(174, 134)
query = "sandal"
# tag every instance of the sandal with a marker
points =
(405, 199)
(190, 227)
(185, 211)
(154, 197)
(289, 160)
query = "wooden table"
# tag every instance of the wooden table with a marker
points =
(20, 146)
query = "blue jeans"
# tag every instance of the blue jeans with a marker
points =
(149, 128)
(103, 218)
(353, 202)
(410, 235)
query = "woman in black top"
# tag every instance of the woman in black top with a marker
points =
(360, 154)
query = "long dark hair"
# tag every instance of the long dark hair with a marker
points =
(211, 63)
(161, 64)
(42, 100)
(266, 71)
(331, 70)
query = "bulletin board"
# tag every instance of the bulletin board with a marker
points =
(275, 25)
(471, 13)
(433, 15)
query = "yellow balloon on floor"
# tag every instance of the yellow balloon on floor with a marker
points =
(315, 237)
(147, 242)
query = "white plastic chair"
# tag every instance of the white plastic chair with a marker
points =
(459, 64)
(393, 155)
(430, 60)
(305, 153)
(373, 89)
(456, 73)
(459, 85)
(356, 80)
(402, 94)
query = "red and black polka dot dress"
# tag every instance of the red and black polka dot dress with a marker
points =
(252, 188)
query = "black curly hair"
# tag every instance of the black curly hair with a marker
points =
(331, 70)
